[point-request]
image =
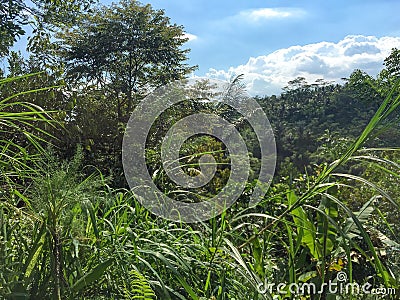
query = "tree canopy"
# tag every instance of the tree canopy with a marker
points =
(127, 49)
(42, 15)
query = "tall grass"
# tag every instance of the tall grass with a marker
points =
(20, 131)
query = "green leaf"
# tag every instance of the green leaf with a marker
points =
(92, 276)
(258, 257)
(305, 228)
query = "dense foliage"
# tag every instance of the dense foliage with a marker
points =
(70, 228)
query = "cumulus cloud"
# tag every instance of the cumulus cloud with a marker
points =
(268, 74)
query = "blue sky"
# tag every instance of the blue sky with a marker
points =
(310, 38)
(229, 32)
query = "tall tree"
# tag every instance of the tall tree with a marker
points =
(114, 57)
(126, 50)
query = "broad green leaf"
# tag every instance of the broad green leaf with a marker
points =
(91, 276)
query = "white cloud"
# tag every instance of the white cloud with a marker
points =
(267, 13)
(265, 75)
